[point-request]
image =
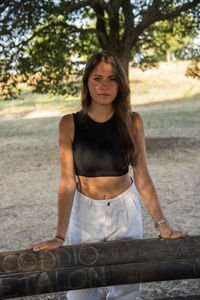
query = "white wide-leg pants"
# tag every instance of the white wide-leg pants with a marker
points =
(106, 220)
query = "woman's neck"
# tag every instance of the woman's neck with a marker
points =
(100, 113)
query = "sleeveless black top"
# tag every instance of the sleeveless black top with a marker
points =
(98, 148)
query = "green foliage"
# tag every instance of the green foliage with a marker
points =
(9, 86)
(8, 82)
(45, 43)
(167, 40)
(194, 69)
(172, 36)
(53, 58)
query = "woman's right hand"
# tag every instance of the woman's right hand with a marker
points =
(51, 244)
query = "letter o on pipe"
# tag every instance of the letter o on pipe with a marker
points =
(77, 279)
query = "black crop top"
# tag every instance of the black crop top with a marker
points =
(98, 148)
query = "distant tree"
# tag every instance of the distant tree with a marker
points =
(193, 69)
(167, 40)
(45, 41)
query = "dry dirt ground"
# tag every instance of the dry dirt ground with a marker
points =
(28, 196)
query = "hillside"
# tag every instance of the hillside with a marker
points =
(167, 82)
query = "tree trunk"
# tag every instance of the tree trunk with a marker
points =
(125, 62)
(168, 56)
(124, 57)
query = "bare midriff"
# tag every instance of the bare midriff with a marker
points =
(101, 188)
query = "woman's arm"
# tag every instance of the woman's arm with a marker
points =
(67, 184)
(145, 185)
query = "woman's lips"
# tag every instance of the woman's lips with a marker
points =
(104, 94)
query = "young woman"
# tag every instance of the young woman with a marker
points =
(97, 198)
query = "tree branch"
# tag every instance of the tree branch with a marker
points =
(129, 18)
(114, 22)
(69, 6)
(154, 14)
(100, 24)
(72, 29)
(178, 10)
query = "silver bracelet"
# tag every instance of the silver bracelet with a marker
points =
(157, 224)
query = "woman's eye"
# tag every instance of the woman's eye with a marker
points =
(113, 79)
(96, 79)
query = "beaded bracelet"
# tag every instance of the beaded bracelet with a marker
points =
(59, 237)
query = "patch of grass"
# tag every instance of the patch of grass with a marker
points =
(170, 118)
(178, 117)
(168, 82)
(168, 101)
(28, 102)
(38, 127)
(187, 91)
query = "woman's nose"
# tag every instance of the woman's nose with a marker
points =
(104, 83)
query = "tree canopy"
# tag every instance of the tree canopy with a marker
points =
(44, 42)
(168, 40)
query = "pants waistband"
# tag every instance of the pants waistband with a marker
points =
(120, 198)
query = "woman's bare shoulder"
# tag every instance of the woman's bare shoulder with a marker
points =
(66, 127)
(137, 120)
(66, 121)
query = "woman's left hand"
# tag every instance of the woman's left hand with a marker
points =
(172, 234)
(167, 232)
(177, 234)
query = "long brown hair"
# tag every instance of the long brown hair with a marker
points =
(121, 103)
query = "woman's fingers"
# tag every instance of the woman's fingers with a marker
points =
(38, 247)
(52, 244)
(177, 234)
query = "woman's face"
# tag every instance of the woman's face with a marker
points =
(102, 84)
